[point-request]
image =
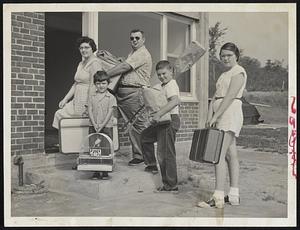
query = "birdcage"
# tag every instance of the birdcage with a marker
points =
(96, 153)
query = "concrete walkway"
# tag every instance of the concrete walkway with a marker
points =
(129, 192)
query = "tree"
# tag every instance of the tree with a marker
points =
(215, 65)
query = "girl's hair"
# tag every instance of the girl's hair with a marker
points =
(100, 76)
(164, 64)
(87, 40)
(232, 47)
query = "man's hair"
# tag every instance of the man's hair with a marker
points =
(100, 76)
(137, 30)
(164, 64)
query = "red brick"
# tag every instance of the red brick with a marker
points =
(41, 66)
(30, 26)
(24, 19)
(39, 88)
(30, 123)
(38, 117)
(39, 44)
(37, 21)
(36, 32)
(24, 53)
(38, 140)
(24, 99)
(24, 141)
(32, 111)
(31, 93)
(16, 58)
(35, 71)
(38, 128)
(24, 87)
(16, 23)
(15, 69)
(31, 134)
(24, 31)
(31, 82)
(17, 82)
(23, 118)
(16, 147)
(30, 146)
(23, 42)
(38, 99)
(16, 123)
(16, 106)
(31, 48)
(25, 76)
(16, 35)
(41, 55)
(24, 129)
(29, 106)
(29, 14)
(23, 64)
(31, 38)
(39, 77)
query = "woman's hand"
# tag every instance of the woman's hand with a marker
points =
(212, 122)
(62, 103)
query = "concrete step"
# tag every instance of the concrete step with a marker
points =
(122, 181)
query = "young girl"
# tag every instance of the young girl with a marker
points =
(225, 112)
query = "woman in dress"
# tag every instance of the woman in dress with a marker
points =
(225, 113)
(83, 81)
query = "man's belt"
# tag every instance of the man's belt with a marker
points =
(129, 86)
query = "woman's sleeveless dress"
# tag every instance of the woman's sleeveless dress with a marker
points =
(83, 78)
(232, 118)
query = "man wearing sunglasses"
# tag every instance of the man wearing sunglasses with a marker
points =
(136, 73)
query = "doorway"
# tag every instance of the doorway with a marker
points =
(61, 59)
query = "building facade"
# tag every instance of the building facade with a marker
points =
(44, 60)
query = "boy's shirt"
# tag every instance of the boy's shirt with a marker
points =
(100, 104)
(171, 89)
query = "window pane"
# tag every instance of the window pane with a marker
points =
(114, 29)
(178, 36)
(178, 39)
(183, 80)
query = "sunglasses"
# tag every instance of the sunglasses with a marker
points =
(136, 38)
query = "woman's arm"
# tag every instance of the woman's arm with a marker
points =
(236, 83)
(174, 101)
(210, 110)
(68, 96)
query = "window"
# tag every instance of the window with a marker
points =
(167, 35)
(179, 33)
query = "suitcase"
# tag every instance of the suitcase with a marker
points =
(207, 145)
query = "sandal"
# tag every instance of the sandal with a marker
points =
(211, 203)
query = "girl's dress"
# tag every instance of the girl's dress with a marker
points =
(83, 79)
(232, 118)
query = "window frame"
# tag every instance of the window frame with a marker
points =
(90, 28)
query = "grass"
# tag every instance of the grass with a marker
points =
(272, 98)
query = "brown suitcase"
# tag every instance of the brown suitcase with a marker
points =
(207, 145)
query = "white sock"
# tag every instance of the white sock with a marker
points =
(233, 191)
(219, 194)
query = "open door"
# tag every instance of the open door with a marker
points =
(62, 29)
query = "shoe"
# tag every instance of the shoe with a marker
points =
(151, 168)
(211, 203)
(74, 167)
(135, 161)
(105, 176)
(233, 200)
(96, 176)
(163, 189)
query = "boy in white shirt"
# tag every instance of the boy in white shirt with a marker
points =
(164, 134)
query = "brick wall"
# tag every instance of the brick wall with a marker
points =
(189, 113)
(27, 83)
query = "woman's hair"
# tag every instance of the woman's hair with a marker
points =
(100, 76)
(163, 64)
(87, 40)
(232, 47)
